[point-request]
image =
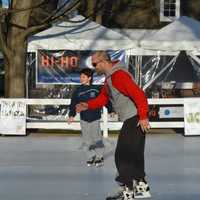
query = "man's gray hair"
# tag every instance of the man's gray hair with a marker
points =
(103, 55)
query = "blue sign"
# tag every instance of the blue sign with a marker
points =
(63, 66)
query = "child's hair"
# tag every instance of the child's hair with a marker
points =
(88, 72)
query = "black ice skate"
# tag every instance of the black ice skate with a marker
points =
(91, 161)
(99, 161)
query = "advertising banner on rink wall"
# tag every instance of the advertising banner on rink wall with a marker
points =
(13, 117)
(63, 66)
(192, 116)
(171, 112)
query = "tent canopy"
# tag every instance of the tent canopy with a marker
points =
(182, 34)
(79, 35)
(137, 35)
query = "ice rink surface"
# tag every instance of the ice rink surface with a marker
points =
(52, 167)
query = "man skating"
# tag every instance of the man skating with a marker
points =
(130, 103)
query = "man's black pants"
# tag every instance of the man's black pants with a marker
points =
(129, 154)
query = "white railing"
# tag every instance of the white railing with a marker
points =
(105, 124)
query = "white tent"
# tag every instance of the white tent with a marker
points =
(137, 35)
(182, 34)
(79, 35)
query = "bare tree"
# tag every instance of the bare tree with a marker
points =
(123, 13)
(26, 17)
(136, 14)
(22, 19)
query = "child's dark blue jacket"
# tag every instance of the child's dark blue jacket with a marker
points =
(83, 94)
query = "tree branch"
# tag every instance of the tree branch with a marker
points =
(46, 23)
(54, 16)
(34, 29)
(99, 9)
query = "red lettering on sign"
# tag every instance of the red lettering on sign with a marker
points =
(64, 61)
(69, 62)
(52, 60)
(45, 61)
(74, 61)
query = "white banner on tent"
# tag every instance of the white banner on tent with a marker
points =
(192, 116)
(13, 117)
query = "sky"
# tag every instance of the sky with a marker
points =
(5, 3)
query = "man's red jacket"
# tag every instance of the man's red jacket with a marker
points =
(123, 82)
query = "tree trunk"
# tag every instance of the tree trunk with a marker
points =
(99, 13)
(25, 18)
(15, 77)
(90, 8)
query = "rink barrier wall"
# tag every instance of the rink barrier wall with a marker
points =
(105, 125)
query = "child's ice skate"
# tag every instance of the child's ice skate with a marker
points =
(91, 161)
(99, 161)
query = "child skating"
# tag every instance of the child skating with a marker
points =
(89, 119)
